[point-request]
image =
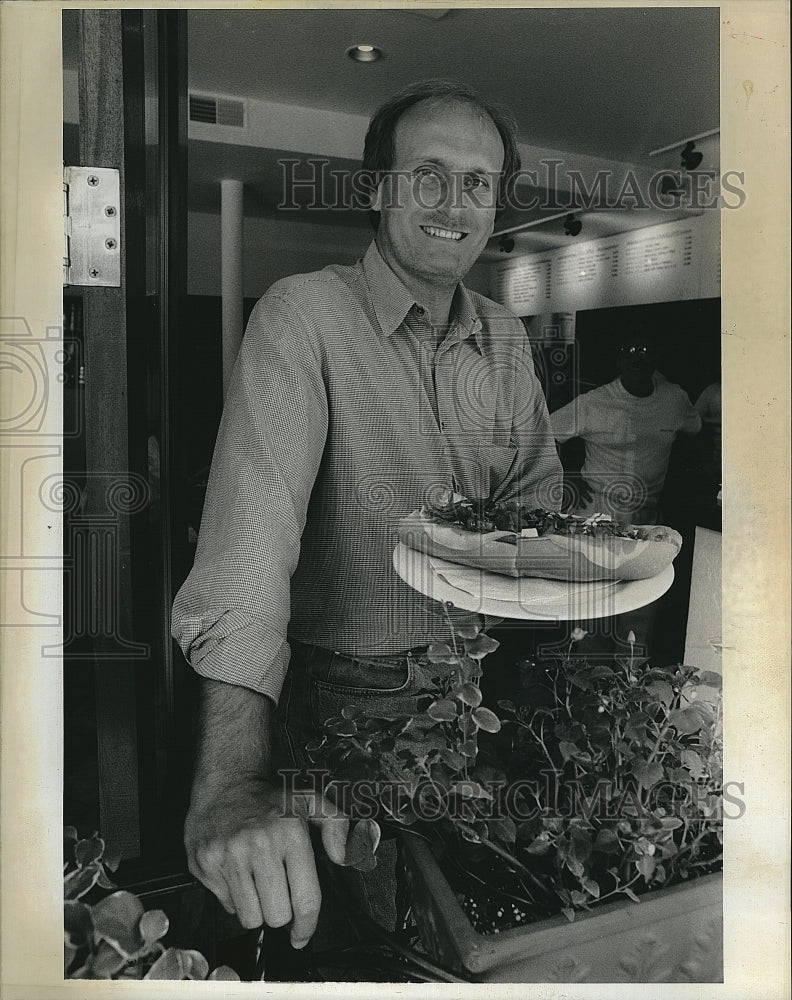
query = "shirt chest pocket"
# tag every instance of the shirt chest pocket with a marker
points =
(469, 398)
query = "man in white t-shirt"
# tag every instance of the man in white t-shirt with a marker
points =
(628, 427)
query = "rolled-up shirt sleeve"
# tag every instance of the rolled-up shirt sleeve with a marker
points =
(231, 614)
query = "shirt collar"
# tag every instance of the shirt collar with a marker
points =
(391, 301)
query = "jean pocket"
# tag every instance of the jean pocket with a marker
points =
(362, 677)
(380, 687)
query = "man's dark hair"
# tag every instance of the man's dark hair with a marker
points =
(379, 148)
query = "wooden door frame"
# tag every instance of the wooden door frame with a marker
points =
(132, 398)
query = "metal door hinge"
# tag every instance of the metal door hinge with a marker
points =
(91, 226)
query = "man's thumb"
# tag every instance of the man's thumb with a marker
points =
(335, 831)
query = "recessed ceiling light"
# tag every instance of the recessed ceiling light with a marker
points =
(365, 53)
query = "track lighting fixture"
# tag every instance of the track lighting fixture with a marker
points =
(691, 157)
(506, 244)
(572, 226)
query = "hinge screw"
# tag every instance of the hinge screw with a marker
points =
(92, 180)
(94, 272)
(110, 243)
(110, 211)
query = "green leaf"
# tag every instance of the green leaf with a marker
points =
(503, 828)
(628, 892)
(467, 725)
(647, 774)
(469, 694)
(77, 923)
(506, 705)
(469, 748)
(711, 679)
(80, 881)
(88, 851)
(591, 887)
(572, 752)
(635, 727)
(346, 727)
(662, 691)
(362, 842)
(112, 857)
(195, 965)
(466, 631)
(686, 721)
(107, 961)
(468, 833)
(479, 647)
(441, 652)
(117, 918)
(471, 790)
(443, 710)
(486, 720)
(153, 926)
(607, 841)
(539, 845)
(170, 965)
(454, 760)
(225, 974)
(646, 865)
(104, 881)
(693, 762)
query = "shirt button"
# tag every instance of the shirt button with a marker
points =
(442, 425)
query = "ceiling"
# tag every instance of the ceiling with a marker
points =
(612, 82)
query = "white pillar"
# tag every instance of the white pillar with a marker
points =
(231, 229)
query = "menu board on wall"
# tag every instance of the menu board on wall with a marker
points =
(671, 262)
(658, 264)
(523, 284)
(710, 280)
(585, 272)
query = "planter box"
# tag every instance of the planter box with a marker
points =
(673, 935)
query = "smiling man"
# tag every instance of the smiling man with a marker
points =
(359, 392)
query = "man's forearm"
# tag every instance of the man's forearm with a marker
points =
(234, 738)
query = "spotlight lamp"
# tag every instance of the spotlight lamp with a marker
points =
(506, 244)
(691, 157)
(365, 53)
(572, 226)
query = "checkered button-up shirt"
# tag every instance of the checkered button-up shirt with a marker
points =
(346, 411)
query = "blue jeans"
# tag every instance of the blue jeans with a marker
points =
(318, 685)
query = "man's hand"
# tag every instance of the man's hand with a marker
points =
(247, 840)
(249, 844)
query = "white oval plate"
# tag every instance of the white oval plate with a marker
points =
(524, 597)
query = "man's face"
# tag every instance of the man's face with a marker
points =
(437, 207)
(637, 358)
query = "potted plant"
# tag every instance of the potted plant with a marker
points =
(114, 936)
(577, 838)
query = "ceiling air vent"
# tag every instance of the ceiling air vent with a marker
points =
(217, 110)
